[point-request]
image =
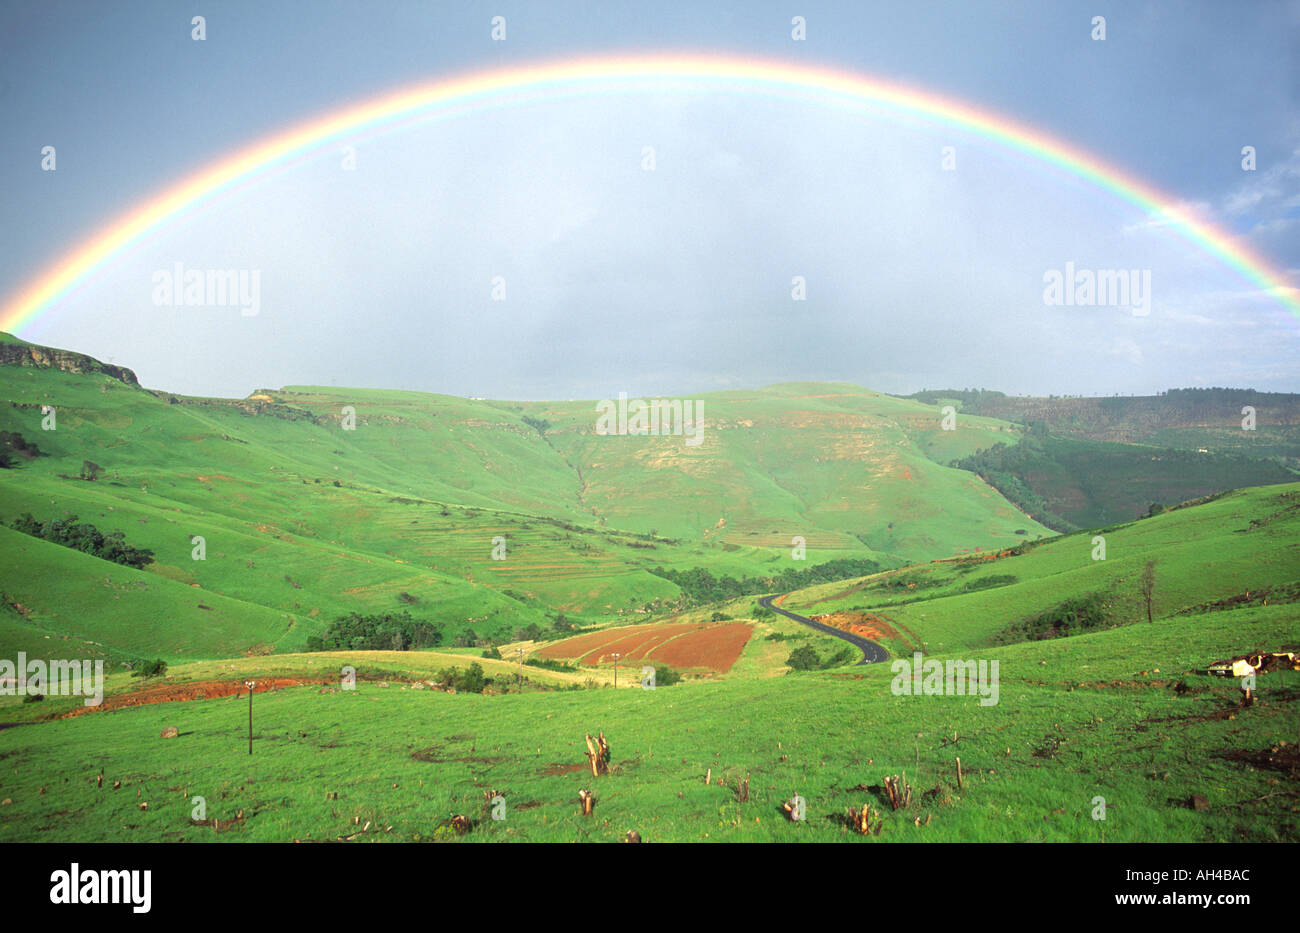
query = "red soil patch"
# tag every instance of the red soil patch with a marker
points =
(683, 645)
(199, 690)
(859, 623)
(716, 647)
(581, 645)
(637, 646)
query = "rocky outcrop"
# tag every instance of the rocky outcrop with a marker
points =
(28, 354)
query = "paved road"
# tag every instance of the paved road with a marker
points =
(872, 653)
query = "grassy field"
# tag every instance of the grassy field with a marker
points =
(1076, 719)
(304, 522)
(1116, 714)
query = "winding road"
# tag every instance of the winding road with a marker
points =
(872, 653)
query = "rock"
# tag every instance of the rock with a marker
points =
(1198, 802)
(170, 732)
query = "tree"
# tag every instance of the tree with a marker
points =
(471, 680)
(804, 658)
(1147, 585)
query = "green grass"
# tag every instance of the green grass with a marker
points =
(426, 483)
(1062, 734)
(1202, 553)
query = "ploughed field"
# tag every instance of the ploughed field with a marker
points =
(685, 646)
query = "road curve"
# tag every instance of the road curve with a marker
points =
(872, 653)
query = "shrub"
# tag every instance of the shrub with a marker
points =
(665, 676)
(804, 658)
(155, 668)
(463, 680)
(1072, 617)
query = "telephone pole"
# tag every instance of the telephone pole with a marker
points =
(250, 684)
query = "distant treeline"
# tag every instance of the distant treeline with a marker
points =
(1068, 484)
(84, 537)
(1129, 418)
(389, 631)
(701, 586)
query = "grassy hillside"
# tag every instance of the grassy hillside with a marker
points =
(1242, 541)
(1077, 719)
(303, 520)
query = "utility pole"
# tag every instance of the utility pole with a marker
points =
(520, 680)
(616, 656)
(250, 684)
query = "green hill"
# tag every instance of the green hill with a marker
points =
(1240, 542)
(1114, 717)
(307, 514)
(1097, 695)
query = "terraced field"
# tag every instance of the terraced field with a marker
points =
(686, 646)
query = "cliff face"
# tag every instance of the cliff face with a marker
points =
(25, 354)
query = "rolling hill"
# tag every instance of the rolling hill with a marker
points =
(315, 502)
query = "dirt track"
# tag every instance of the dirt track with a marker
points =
(197, 690)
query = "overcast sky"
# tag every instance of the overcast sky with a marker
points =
(675, 280)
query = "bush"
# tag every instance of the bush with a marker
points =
(804, 658)
(665, 676)
(1072, 617)
(550, 664)
(464, 680)
(984, 583)
(155, 668)
(493, 653)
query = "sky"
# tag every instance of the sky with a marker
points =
(613, 275)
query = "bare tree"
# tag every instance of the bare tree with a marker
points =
(1147, 585)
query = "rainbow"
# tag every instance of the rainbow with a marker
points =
(540, 81)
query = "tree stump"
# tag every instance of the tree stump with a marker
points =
(899, 792)
(588, 801)
(598, 755)
(860, 820)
